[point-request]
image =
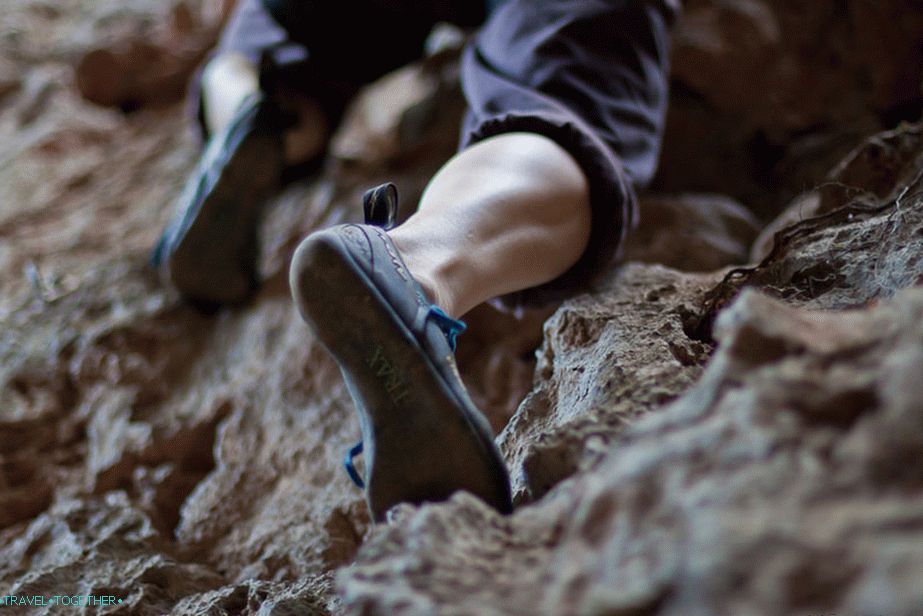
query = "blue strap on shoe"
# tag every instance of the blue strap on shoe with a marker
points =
(355, 450)
(449, 326)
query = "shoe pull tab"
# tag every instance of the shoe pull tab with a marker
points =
(380, 205)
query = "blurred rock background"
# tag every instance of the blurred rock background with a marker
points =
(731, 423)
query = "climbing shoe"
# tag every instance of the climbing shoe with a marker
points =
(209, 249)
(422, 437)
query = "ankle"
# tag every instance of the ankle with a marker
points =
(434, 292)
(425, 271)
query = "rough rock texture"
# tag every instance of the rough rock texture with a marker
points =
(770, 94)
(692, 233)
(607, 358)
(740, 440)
(886, 168)
(786, 481)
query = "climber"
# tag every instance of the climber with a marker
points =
(566, 102)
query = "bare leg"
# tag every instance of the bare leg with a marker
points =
(505, 214)
(227, 80)
(508, 213)
(230, 78)
(208, 251)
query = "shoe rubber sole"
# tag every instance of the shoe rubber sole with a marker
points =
(214, 260)
(423, 441)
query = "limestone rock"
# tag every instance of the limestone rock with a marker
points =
(772, 487)
(9, 81)
(137, 69)
(848, 255)
(763, 60)
(261, 598)
(722, 45)
(689, 443)
(408, 111)
(101, 547)
(607, 358)
(692, 233)
(881, 168)
(795, 85)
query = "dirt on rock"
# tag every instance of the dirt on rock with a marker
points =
(725, 424)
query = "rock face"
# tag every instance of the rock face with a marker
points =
(783, 482)
(770, 94)
(607, 359)
(703, 433)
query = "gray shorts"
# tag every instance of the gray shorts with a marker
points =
(592, 75)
